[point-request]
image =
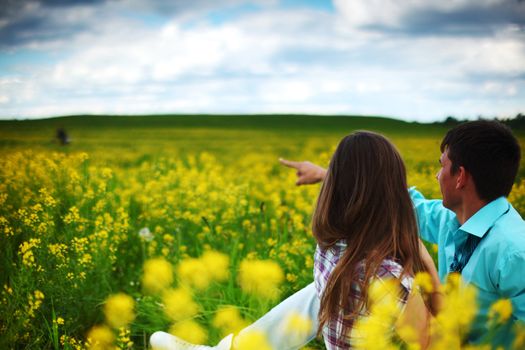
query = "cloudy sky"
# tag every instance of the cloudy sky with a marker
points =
(410, 59)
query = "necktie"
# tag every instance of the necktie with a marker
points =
(463, 253)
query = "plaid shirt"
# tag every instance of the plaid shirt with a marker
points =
(324, 264)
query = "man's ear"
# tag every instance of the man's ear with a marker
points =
(463, 178)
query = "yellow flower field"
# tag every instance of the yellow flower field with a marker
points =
(193, 231)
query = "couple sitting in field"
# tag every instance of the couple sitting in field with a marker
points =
(367, 227)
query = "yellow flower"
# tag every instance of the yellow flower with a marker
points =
(168, 238)
(500, 311)
(383, 291)
(409, 335)
(519, 340)
(39, 295)
(290, 277)
(199, 273)
(124, 337)
(158, 275)
(457, 312)
(179, 304)
(251, 341)
(119, 310)
(26, 251)
(193, 272)
(217, 265)
(72, 216)
(297, 325)
(424, 281)
(100, 338)
(190, 331)
(261, 278)
(229, 320)
(375, 331)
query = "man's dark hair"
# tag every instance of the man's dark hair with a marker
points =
(488, 151)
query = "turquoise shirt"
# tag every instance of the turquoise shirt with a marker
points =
(497, 265)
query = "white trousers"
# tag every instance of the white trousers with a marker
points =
(305, 303)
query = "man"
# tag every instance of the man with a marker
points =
(478, 233)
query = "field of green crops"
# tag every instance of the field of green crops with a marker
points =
(185, 224)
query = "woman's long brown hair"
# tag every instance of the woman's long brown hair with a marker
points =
(364, 201)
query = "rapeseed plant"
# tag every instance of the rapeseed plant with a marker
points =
(157, 275)
(423, 281)
(500, 311)
(70, 218)
(297, 326)
(451, 325)
(100, 338)
(251, 340)
(190, 331)
(228, 320)
(375, 329)
(179, 304)
(217, 265)
(194, 273)
(119, 310)
(261, 278)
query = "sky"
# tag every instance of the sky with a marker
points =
(416, 60)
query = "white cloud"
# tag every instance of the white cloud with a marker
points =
(270, 60)
(285, 91)
(392, 12)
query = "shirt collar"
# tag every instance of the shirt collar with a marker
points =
(479, 223)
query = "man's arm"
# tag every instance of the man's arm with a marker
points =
(432, 216)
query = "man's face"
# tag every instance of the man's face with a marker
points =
(447, 182)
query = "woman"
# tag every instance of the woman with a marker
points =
(366, 230)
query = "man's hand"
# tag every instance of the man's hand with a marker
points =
(307, 172)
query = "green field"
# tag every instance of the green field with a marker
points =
(70, 217)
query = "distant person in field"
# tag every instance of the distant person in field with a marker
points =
(478, 232)
(353, 251)
(62, 136)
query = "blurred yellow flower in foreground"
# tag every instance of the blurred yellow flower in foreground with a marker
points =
(424, 281)
(200, 272)
(261, 278)
(179, 304)
(100, 338)
(500, 311)
(190, 331)
(459, 308)
(297, 325)
(375, 331)
(217, 265)
(119, 310)
(519, 340)
(250, 341)
(158, 275)
(228, 319)
(193, 272)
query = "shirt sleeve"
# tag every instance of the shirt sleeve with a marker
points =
(512, 283)
(431, 216)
